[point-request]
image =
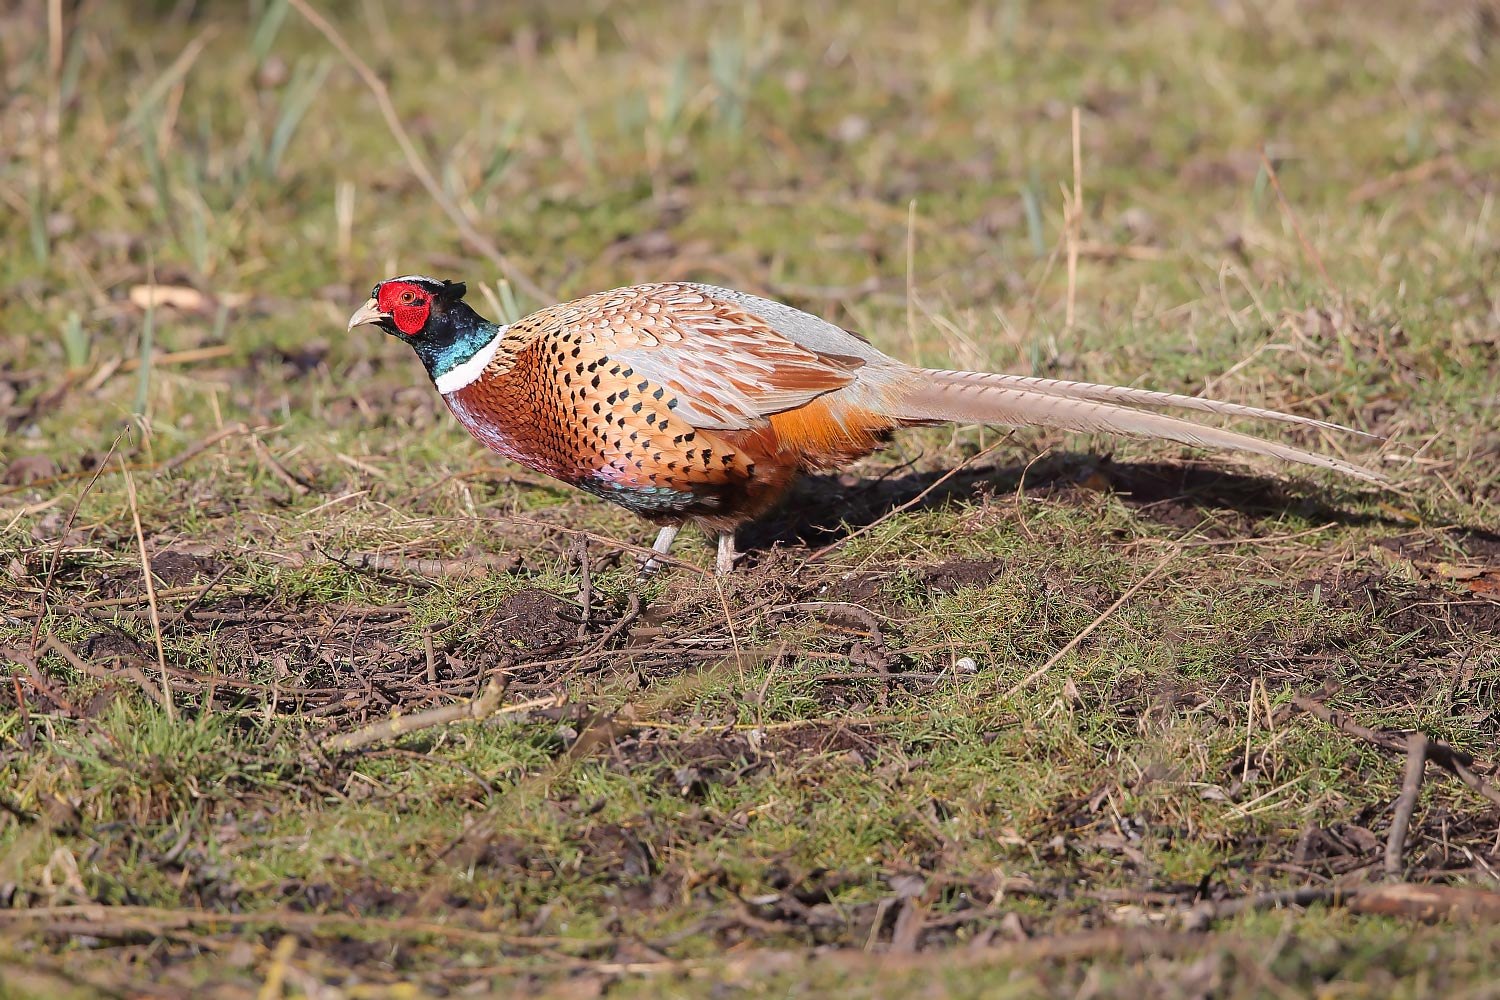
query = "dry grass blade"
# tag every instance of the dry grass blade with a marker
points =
(140, 540)
(1291, 216)
(1073, 222)
(275, 468)
(1041, 671)
(460, 568)
(198, 447)
(112, 921)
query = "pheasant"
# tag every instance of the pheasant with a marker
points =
(686, 402)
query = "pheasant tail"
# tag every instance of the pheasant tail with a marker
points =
(1019, 401)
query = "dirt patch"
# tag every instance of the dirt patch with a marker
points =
(1404, 608)
(178, 569)
(1463, 544)
(533, 619)
(691, 767)
(950, 577)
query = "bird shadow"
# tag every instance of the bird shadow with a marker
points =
(822, 509)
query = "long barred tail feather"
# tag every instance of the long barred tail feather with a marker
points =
(1018, 401)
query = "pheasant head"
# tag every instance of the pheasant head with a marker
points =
(431, 316)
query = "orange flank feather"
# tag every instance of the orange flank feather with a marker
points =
(828, 432)
(806, 439)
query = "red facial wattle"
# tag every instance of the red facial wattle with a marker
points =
(407, 305)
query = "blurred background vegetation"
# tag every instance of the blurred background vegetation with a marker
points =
(1288, 203)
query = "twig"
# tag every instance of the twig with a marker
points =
(1398, 899)
(414, 160)
(172, 464)
(430, 654)
(785, 725)
(195, 591)
(632, 612)
(459, 568)
(107, 921)
(81, 665)
(27, 660)
(210, 585)
(1411, 787)
(614, 543)
(276, 468)
(140, 541)
(585, 584)
(486, 706)
(1036, 674)
(1411, 175)
(857, 613)
(63, 535)
(197, 448)
(1341, 721)
(911, 276)
(1428, 902)
(1445, 755)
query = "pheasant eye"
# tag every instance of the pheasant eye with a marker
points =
(408, 297)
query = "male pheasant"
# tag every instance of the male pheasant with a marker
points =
(687, 402)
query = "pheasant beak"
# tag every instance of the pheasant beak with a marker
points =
(368, 313)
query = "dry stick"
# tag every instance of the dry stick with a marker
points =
(585, 586)
(486, 706)
(276, 469)
(98, 673)
(281, 956)
(459, 568)
(911, 277)
(1445, 755)
(1036, 674)
(169, 593)
(1398, 899)
(34, 670)
(632, 612)
(63, 535)
(1131, 943)
(414, 160)
(140, 541)
(197, 448)
(1411, 787)
(210, 585)
(594, 536)
(109, 920)
(1411, 175)
(177, 358)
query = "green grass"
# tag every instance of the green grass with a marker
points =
(709, 804)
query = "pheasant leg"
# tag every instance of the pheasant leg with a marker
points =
(727, 555)
(663, 542)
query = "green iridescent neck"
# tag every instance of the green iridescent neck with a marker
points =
(453, 339)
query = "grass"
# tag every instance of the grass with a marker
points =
(752, 789)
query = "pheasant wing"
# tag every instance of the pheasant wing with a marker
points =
(726, 368)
